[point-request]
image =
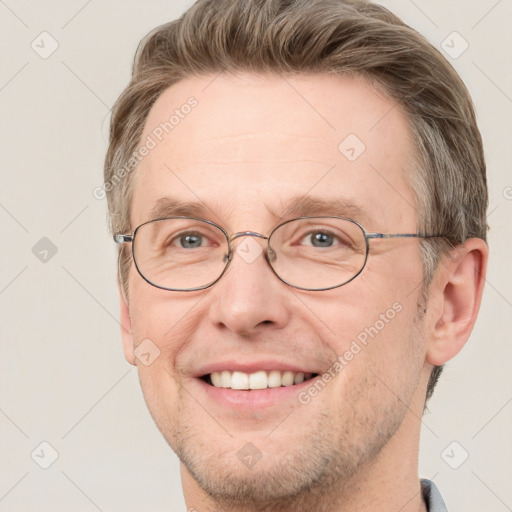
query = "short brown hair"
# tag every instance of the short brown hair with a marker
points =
(318, 36)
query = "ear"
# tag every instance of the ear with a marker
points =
(454, 300)
(126, 328)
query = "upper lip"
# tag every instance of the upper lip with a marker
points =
(252, 367)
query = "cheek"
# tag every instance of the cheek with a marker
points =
(394, 352)
(158, 315)
(163, 323)
(373, 333)
(160, 329)
(382, 376)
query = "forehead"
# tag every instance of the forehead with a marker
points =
(245, 145)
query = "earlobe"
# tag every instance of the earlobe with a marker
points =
(126, 329)
(456, 294)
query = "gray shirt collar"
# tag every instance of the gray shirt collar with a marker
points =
(432, 497)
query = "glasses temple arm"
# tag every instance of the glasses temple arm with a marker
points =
(119, 238)
(401, 235)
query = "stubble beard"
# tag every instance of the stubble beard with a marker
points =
(328, 461)
(331, 459)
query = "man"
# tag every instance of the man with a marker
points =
(299, 194)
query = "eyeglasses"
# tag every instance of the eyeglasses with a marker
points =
(308, 253)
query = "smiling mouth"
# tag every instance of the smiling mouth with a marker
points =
(258, 380)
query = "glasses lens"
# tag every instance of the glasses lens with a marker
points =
(317, 253)
(180, 253)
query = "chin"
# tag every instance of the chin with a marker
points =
(226, 479)
(284, 468)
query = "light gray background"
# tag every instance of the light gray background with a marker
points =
(63, 378)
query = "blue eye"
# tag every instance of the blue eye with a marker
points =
(190, 240)
(320, 239)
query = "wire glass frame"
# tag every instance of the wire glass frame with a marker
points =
(308, 253)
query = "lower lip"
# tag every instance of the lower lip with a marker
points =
(254, 398)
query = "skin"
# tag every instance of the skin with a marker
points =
(354, 446)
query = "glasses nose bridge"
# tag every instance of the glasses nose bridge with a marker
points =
(234, 236)
(246, 233)
(268, 251)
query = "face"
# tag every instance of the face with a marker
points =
(248, 148)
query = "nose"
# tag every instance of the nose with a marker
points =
(249, 298)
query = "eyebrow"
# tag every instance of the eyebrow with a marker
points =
(171, 206)
(303, 206)
(297, 206)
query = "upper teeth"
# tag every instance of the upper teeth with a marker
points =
(257, 380)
